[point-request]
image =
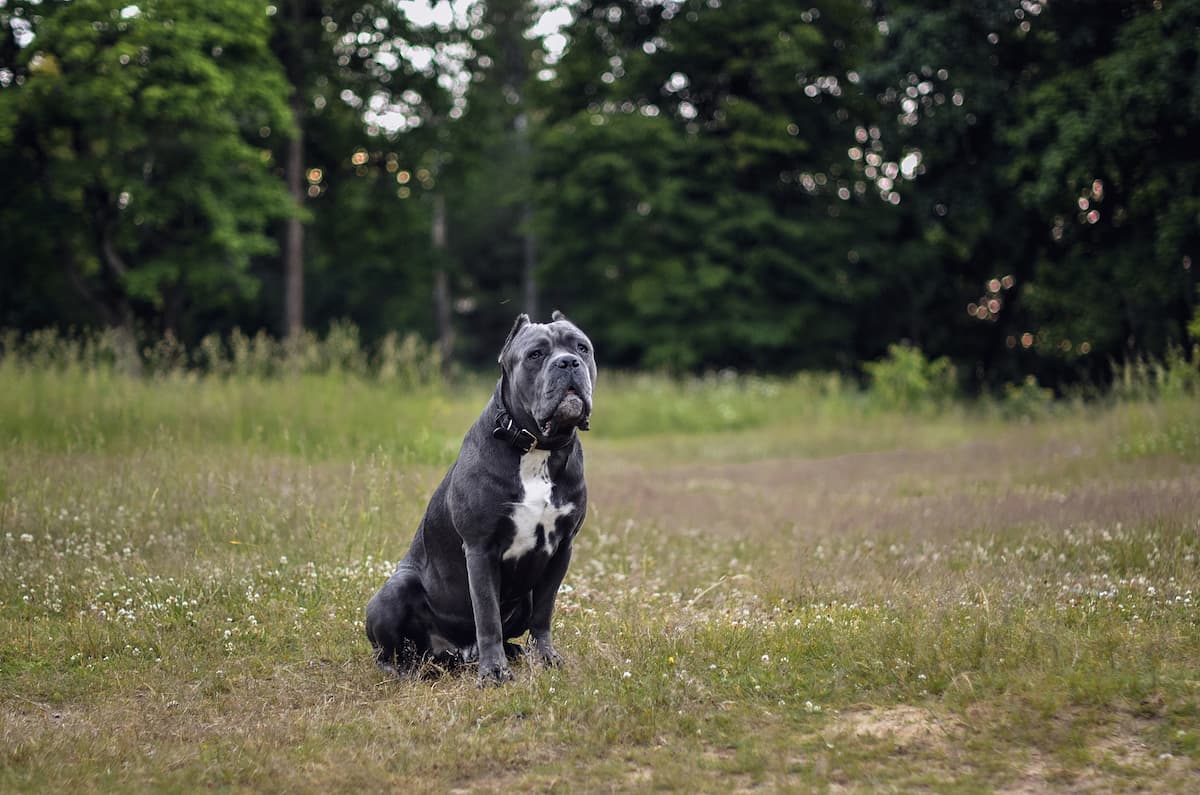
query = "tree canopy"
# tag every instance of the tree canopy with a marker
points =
(134, 138)
(757, 184)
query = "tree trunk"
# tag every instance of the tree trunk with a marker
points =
(528, 240)
(441, 282)
(529, 274)
(293, 238)
(128, 359)
(293, 242)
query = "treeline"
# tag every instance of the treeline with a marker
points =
(758, 184)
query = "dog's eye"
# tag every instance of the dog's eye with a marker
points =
(535, 354)
(583, 349)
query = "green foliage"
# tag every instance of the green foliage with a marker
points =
(906, 380)
(762, 185)
(654, 405)
(1117, 200)
(684, 183)
(1176, 376)
(1194, 326)
(1158, 427)
(1182, 374)
(1027, 399)
(135, 133)
(366, 238)
(406, 362)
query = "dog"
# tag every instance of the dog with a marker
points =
(495, 542)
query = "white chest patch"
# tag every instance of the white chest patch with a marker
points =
(535, 509)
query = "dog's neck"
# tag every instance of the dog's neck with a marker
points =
(510, 427)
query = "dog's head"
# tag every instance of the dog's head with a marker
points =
(549, 371)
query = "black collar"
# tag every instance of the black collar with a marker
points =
(508, 431)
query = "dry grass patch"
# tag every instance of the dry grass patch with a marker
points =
(904, 726)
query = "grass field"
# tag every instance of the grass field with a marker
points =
(780, 586)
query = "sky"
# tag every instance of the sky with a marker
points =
(444, 13)
(396, 115)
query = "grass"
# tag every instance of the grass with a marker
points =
(780, 586)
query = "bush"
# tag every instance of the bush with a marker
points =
(1027, 399)
(907, 381)
(1176, 376)
(1182, 378)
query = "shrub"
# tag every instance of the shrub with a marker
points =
(907, 381)
(1027, 399)
(1176, 376)
(1182, 376)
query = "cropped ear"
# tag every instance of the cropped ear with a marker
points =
(521, 322)
(556, 315)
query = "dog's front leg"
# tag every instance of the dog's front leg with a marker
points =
(544, 593)
(483, 575)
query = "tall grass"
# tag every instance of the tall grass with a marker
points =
(333, 396)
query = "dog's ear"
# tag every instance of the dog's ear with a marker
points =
(556, 315)
(521, 322)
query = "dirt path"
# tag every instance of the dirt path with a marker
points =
(917, 494)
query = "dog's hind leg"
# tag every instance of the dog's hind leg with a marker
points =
(398, 622)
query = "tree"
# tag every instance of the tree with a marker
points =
(342, 58)
(1105, 154)
(711, 235)
(950, 258)
(1053, 201)
(479, 132)
(136, 133)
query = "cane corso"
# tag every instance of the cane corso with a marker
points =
(491, 551)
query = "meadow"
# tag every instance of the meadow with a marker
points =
(782, 585)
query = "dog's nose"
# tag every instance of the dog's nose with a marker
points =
(567, 361)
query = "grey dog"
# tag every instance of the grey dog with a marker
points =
(490, 553)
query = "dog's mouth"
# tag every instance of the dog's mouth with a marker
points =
(571, 411)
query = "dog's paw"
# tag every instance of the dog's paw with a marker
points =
(497, 673)
(389, 668)
(545, 655)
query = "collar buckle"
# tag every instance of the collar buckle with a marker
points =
(525, 441)
(508, 431)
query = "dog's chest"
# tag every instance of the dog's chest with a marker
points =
(535, 516)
